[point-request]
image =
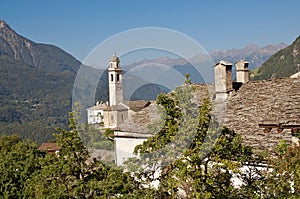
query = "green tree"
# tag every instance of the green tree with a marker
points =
(283, 176)
(71, 173)
(18, 163)
(190, 156)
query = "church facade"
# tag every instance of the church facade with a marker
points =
(128, 119)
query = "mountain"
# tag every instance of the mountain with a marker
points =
(36, 82)
(254, 54)
(36, 85)
(284, 63)
(159, 60)
(43, 56)
(161, 67)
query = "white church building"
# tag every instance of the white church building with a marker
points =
(128, 119)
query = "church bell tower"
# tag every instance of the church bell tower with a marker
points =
(115, 81)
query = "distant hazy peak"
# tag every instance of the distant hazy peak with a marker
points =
(252, 46)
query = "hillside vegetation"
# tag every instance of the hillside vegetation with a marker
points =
(36, 82)
(32, 101)
(284, 63)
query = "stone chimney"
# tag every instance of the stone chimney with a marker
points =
(242, 73)
(223, 79)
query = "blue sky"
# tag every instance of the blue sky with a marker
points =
(79, 26)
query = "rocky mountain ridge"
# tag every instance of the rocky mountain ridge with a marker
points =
(43, 56)
(253, 53)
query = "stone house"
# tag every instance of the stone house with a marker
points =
(263, 112)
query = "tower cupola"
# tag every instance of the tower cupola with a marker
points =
(114, 61)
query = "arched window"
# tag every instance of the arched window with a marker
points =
(118, 77)
(112, 77)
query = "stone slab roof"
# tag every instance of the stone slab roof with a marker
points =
(269, 102)
(119, 107)
(132, 105)
(136, 105)
(203, 91)
(138, 121)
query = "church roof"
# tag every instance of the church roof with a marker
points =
(118, 107)
(136, 105)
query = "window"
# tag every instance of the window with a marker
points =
(112, 77)
(118, 77)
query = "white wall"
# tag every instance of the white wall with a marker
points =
(95, 116)
(125, 143)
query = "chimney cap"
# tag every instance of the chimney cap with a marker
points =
(224, 63)
(242, 61)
